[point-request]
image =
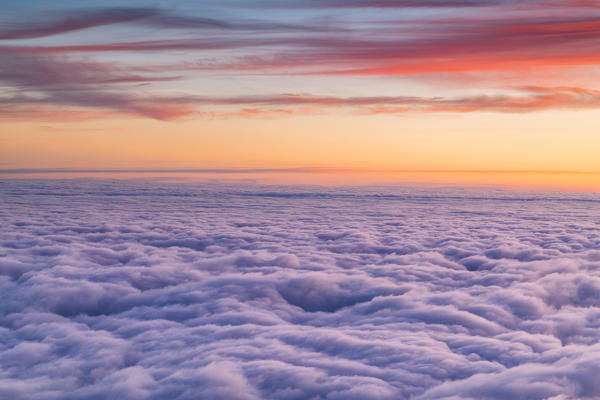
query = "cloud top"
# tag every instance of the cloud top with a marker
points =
(149, 290)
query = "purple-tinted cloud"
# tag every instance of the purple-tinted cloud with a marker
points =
(389, 4)
(532, 99)
(156, 291)
(429, 44)
(50, 78)
(74, 22)
(74, 90)
(400, 4)
(40, 82)
(154, 17)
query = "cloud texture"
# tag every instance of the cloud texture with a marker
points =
(175, 291)
(98, 61)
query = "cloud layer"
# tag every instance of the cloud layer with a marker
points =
(98, 62)
(156, 291)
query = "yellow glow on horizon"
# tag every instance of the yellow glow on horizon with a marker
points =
(545, 141)
(540, 180)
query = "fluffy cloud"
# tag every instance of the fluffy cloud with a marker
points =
(175, 291)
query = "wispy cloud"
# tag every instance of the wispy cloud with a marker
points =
(527, 99)
(39, 75)
(74, 22)
(383, 3)
(153, 17)
(521, 100)
(401, 4)
(443, 46)
(39, 83)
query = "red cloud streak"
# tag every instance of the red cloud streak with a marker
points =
(528, 99)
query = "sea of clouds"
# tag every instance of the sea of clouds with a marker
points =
(147, 290)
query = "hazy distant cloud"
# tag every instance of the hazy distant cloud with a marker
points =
(168, 291)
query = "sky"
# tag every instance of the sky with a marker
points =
(453, 89)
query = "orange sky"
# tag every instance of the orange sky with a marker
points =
(491, 86)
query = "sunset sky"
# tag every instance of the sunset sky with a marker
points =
(299, 199)
(445, 87)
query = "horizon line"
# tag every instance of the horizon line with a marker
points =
(299, 170)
